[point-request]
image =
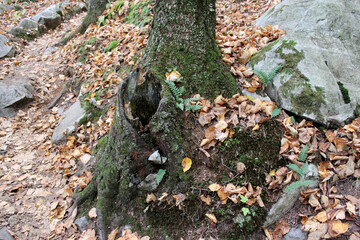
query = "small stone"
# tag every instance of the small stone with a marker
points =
(149, 184)
(81, 223)
(240, 167)
(156, 158)
(295, 234)
(5, 235)
(28, 24)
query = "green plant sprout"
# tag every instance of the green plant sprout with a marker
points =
(183, 104)
(266, 78)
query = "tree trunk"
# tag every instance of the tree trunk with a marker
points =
(95, 9)
(183, 36)
(147, 119)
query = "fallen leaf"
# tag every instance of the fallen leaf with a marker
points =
(112, 234)
(336, 227)
(186, 164)
(211, 217)
(92, 213)
(214, 187)
(206, 200)
(150, 197)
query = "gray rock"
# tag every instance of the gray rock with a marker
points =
(81, 223)
(155, 157)
(67, 125)
(28, 24)
(14, 95)
(295, 234)
(82, 6)
(50, 17)
(149, 184)
(49, 50)
(5, 235)
(288, 199)
(5, 7)
(5, 49)
(321, 48)
(18, 32)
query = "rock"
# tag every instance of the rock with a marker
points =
(155, 157)
(5, 235)
(5, 7)
(18, 32)
(67, 125)
(81, 223)
(295, 234)
(14, 95)
(319, 57)
(28, 24)
(50, 50)
(5, 49)
(82, 6)
(287, 201)
(50, 17)
(149, 184)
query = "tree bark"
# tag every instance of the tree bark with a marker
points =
(95, 9)
(183, 37)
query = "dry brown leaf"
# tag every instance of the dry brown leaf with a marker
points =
(206, 200)
(92, 213)
(240, 167)
(151, 197)
(211, 217)
(321, 217)
(281, 229)
(336, 227)
(214, 187)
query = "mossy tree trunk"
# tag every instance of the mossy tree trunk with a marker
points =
(183, 37)
(95, 9)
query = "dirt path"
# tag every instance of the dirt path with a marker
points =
(28, 185)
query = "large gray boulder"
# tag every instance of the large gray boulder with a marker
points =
(14, 95)
(28, 24)
(320, 58)
(50, 17)
(6, 50)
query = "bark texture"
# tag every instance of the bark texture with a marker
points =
(95, 9)
(183, 36)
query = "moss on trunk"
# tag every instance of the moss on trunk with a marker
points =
(183, 36)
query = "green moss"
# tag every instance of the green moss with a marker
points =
(83, 51)
(139, 13)
(259, 56)
(344, 92)
(101, 145)
(357, 110)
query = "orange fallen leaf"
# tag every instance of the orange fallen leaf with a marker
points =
(336, 227)
(206, 200)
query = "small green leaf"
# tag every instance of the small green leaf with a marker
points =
(297, 184)
(180, 105)
(160, 175)
(101, 18)
(245, 211)
(251, 98)
(111, 46)
(303, 154)
(243, 199)
(292, 119)
(295, 168)
(276, 112)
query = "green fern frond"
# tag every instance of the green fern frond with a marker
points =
(266, 78)
(177, 92)
(273, 72)
(297, 184)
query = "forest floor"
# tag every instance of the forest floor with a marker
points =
(37, 177)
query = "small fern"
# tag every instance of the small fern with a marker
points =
(297, 184)
(184, 105)
(301, 171)
(266, 78)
